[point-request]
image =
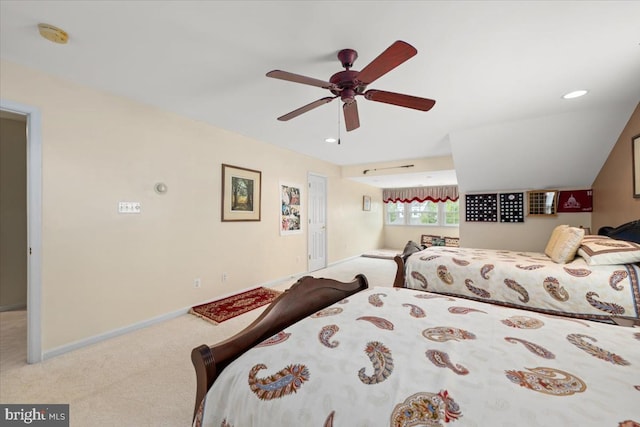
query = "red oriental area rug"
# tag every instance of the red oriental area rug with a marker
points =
(227, 308)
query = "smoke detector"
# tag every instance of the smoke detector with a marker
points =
(53, 34)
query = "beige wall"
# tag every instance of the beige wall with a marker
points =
(102, 270)
(13, 214)
(397, 236)
(532, 235)
(613, 199)
(346, 218)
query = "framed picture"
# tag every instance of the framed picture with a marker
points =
(366, 203)
(636, 165)
(241, 196)
(290, 209)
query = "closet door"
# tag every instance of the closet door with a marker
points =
(317, 248)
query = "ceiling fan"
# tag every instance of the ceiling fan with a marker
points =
(349, 83)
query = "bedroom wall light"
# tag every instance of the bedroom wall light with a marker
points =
(575, 94)
(160, 188)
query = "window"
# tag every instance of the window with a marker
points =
(451, 213)
(423, 213)
(395, 213)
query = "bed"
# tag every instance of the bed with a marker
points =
(599, 282)
(387, 356)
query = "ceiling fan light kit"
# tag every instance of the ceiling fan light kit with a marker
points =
(349, 83)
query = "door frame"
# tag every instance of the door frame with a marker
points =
(34, 225)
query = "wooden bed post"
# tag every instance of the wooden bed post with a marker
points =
(205, 365)
(398, 282)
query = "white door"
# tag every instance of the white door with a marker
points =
(317, 222)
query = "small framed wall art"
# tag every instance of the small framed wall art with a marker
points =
(241, 196)
(366, 203)
(290, 209)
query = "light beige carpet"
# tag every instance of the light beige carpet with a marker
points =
(144, 378)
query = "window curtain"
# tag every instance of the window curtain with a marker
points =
(420, 194)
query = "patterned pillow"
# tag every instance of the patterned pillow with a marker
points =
(555, 234)
(427, 239)
(605, 251)
(567, 245)
(438, 241)
(452, 241)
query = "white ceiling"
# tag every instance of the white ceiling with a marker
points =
(496, 69)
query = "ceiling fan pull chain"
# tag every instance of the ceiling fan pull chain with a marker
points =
(339, 112)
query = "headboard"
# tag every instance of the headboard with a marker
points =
(629, 231)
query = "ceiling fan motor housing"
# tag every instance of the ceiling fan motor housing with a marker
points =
(347, 84)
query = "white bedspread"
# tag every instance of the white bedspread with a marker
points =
(529, 280)
(400, 357)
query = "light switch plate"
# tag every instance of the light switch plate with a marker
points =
(129, 207)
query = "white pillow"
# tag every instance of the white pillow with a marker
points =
(606, 251)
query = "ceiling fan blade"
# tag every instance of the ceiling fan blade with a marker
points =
(395, 55)
(351, 119)
(408, 101)
(297, 78)
(304, 109)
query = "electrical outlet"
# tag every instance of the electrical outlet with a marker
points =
(197, 283)
(225, 276)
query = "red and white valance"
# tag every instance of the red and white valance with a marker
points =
(421, 194)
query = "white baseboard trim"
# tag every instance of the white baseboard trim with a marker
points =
(13, 307)
(162, 318)
(112, 334)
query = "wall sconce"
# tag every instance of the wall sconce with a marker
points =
(160, 188)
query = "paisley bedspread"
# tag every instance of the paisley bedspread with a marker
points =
(401, 357)
(528, 280)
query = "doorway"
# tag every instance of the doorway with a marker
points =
(317, 239)
(34, 223)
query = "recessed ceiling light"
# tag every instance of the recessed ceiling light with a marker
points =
(575, 94)
(331, 140)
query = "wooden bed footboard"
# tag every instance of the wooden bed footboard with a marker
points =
(398, 282)
(305, 297)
